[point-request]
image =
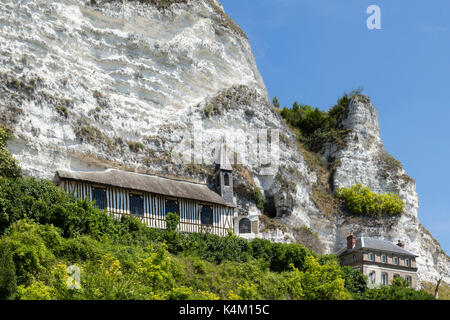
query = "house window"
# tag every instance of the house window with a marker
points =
(409, 280)
(136, 205)
(383, 259)
(372, 277)
(245, 226)
(371, 256)
(384, 279)
(207, 216)
(172, 206)
(226, 178)
(99, 196)
(407, 262)
(396, 260)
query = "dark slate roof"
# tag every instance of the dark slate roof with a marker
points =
(376, 244)
(146, 183)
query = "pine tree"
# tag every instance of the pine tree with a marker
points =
(275, 102)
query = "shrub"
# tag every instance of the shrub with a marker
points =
(216, 249)
(9, 167)
(29, 247)
(279, 256)
(399, 290)
(318, 127)
(360, 200)
(47, 204)
(259, 198)
(136, 146)
(8, 281)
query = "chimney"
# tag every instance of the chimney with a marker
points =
(401, 244)
(351, 241)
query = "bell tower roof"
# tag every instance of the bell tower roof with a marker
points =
(222, 160)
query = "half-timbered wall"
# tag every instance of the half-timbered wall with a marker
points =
(118, 204)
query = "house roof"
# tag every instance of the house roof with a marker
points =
(376, 244)
(146, 183)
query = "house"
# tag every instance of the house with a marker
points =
(381, 261)
(150, 198)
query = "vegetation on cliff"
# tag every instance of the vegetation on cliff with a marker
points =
(360, 200)
(53, 246)
(318, 127)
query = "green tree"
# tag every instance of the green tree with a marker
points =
(172, 221)
(172, 236)
(276, 103)
(319, 282)
(355, 281)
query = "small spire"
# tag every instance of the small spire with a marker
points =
(222, 159)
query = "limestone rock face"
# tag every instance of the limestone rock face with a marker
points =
(364, 161)
(93, 78)
(132, 86)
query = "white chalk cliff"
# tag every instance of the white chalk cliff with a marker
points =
(88, 85)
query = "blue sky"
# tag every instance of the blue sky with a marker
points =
(312, 51)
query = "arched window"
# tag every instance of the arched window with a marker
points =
(245, 226)
(226, 179)
(207, 216)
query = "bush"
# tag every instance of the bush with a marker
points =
(259, 198)
(9, 167)
(360, 200)
(29, 245)
(8, 281)
(47, 204)
(318, 127)
(399, 290)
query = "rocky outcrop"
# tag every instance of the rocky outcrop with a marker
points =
(154, 86)
(364, 161)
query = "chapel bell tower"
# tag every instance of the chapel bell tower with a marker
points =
(224, 176)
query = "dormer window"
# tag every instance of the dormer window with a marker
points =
(407, 262)
(396, 260)
(371, 256)
(383, 258)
